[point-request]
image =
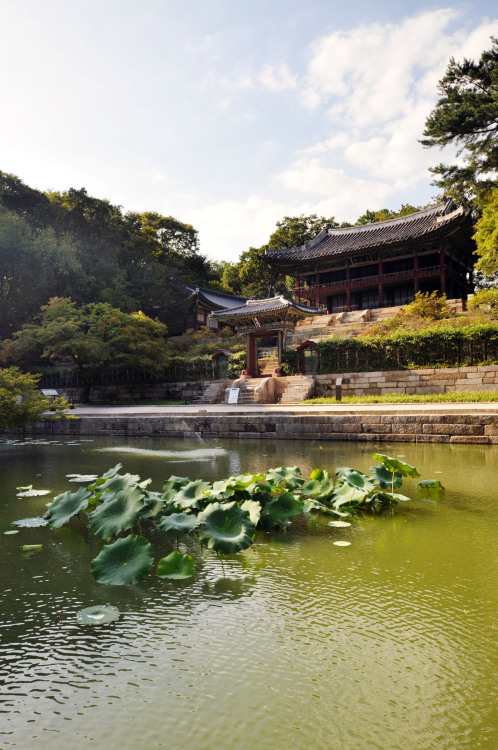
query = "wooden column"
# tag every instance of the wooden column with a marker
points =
(317, 288)
(415, 272)
(443, 271)
(297, 290)
(348, 288)
(381, 285)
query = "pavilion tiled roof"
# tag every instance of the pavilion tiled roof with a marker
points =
(255, 307)
(215, 300)
(440, 220)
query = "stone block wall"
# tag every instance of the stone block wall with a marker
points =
(434, 380)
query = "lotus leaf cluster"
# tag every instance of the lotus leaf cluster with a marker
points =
(224, 516)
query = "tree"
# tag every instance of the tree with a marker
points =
(95, 337)
(466, 115)
(384, 214)
(486, 235)
(20, 404)
(293, 231)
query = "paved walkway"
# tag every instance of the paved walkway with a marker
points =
(298, 409)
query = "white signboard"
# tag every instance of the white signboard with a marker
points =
(233, 396)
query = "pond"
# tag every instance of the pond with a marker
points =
(387, 643)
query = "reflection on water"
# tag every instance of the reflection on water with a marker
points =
(388, 643)
(199, 454)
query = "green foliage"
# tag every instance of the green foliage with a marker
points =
(95, 337)
(20, 404)
(430, 347)
(486, 297)
(236, 363)
(425, 305)
(384, 214)
(466, 115)
(176, 566)
(223, 516)
(401, 398)
(486, 235)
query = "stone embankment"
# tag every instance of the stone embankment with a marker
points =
(468, 425)
(429, 380)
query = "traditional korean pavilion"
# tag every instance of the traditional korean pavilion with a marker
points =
(383, 264)
(265, 323)
(200, 303)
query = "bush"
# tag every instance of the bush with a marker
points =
(486, 297)
(236, 363)
(425, 305)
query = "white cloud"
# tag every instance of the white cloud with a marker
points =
(277, 78)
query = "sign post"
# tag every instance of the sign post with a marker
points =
(233, 396)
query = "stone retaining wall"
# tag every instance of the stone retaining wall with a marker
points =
(413, 428)
(434, 380)
(183, 391)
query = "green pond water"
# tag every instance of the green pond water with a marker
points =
(387, 643)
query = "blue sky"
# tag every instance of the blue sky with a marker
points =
(229, 114)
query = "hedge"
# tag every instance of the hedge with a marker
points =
(432, 347)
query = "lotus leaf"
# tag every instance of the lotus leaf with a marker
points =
(97, 615)
(176, 566)
(339, 524)
(322, 488)
(83, 478)
(190, 495)
(118, 514)
(67, 505)
(348, 494)
(430, 484)
(30, 523)
(33, 493)
(384, 478)
(179, 522)
(175, 483)
(285, 475)
(31, 547)
(153, 504)
(119, 482)
(226, 528)
(357, 479)
(394, 464)
(254, 510)
(11, 531)
(342, 544)
(284, 508)
(123, 562)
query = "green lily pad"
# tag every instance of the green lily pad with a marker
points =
(190, 495)
(434, 484)
(394, 464)
(288, 476)
(31, 547)
(32, 493)
(83, 478)
(125, 561)
(285, 508)
(119, 513)
(339, 524)
(97, 615)
(342, 544)
(180, 522)
(254, 510)
(176, 566)
(356, 479)
(66, 505)
(11, 531)
(384, 478)
(348, 494)
(226, 528)
(175, 483)
(30, 523)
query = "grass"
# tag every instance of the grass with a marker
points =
(402, 398)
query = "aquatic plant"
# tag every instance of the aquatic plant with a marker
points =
(223, 516)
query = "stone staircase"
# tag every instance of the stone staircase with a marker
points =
(213, 393)
(297, 388)
(247, 389)
(267, 367)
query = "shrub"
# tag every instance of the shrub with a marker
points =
(486, 297)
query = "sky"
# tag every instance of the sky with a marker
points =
(230, 114)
